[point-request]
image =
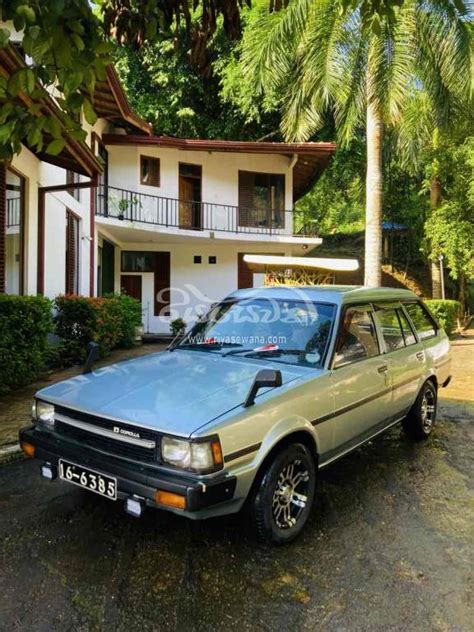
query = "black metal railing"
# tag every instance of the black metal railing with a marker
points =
(13, 212)
(132, 206)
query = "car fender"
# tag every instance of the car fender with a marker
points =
(282, 429)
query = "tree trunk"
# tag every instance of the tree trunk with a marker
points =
(373, 204)
(435, 199)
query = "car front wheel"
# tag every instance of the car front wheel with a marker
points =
(283, 497)
(419, 422)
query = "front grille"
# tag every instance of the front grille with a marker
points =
(108, 444)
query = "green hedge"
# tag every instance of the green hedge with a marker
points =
(110, 322)
(25, 322)
(446, 313)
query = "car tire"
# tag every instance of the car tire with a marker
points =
(419, 422)
(283, 495)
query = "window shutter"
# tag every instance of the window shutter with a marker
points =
(71, 253)
(162, 283)
(246, 199)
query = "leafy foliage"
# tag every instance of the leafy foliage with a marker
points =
(139, 22)
(446, 313)
(25, 322)
(177, 326)
(64, 40)
(318, 57)
(166, 89)
(109, 321)
(450, 227)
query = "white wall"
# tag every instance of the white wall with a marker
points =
(194, 287)
(220, 180)
(38, 173)
(28, 166)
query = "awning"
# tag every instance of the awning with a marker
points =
(111, 103)
(261, 263)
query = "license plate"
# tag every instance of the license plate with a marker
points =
(88, 479)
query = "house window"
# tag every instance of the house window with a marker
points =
(150, 171)
(13, 230)
(138, 261)
(72, 253)
(261, 199)
(73, 178)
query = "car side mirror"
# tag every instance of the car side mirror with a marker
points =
(265, 378)
(93, 353)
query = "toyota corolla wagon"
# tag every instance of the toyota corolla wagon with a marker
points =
(271, 386)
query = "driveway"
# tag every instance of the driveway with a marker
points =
(389, 547)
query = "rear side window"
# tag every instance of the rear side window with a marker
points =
(422, 321)
(357, 339)
(406, 328)
(391, 329)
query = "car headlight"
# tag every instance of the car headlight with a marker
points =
(198, 456)
(43, 413)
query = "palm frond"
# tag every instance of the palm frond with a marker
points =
(269, 44)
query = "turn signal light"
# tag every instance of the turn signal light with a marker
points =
(217, 452)
(28, 449)
(170, 500)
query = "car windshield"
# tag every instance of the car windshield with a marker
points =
(292, 331)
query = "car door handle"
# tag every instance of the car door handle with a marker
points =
(383, 368)
(420, 356)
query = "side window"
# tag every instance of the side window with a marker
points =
(357, 339)
(423, 323)
(391, 329)
(406, 328)
(150, 171)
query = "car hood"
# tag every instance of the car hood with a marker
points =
(174, 392)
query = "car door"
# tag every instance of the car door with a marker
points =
(404, 354)
(360, 377)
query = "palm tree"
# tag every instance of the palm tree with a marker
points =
(419, 142)
(320, 57)
(422, 141)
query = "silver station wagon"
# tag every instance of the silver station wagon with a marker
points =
(272, 385)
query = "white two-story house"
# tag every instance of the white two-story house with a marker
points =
(166, 220)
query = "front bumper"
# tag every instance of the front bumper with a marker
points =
(134, 478)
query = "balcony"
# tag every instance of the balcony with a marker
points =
(141, 208)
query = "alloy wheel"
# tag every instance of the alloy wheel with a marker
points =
(428, 410)
(291, 494)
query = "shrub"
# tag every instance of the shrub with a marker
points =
(129, 312)
(109, 321)
(177, 326)
(25, 322)
(446, 313)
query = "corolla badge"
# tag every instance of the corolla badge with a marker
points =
(127, 433)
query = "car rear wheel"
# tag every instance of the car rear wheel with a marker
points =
(283, 497)
(419, 422)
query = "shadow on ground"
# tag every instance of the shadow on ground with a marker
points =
(389, 545)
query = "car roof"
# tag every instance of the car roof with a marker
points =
(338, 294)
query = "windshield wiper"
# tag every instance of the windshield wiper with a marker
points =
(265, 352)
(211, 346)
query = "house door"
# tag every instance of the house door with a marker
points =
(107, 268)
(131, 284)
(190, 177)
